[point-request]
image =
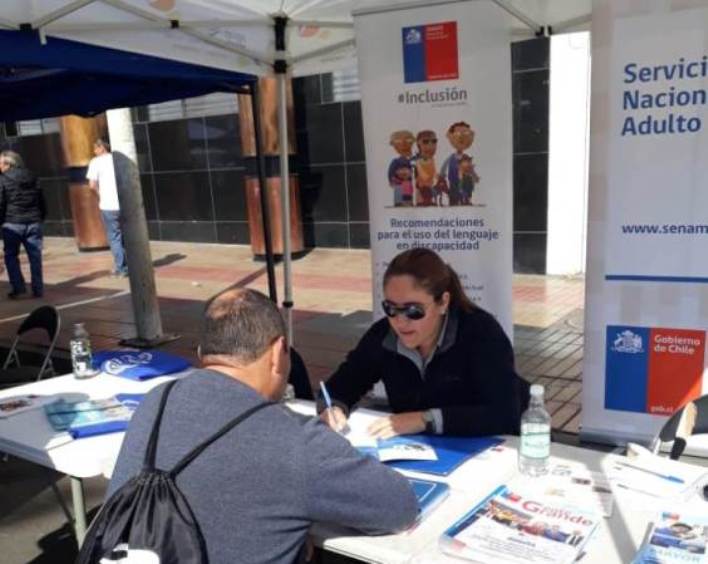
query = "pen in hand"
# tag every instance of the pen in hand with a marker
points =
(325, 395)
(334, 416)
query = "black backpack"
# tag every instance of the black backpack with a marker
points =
(148, 520)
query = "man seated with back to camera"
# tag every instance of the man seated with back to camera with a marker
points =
(256, 491)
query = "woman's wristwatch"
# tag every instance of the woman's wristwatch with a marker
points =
(429, 420)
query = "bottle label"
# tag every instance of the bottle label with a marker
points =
(535, 440)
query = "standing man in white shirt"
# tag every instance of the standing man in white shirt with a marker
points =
(102, 180)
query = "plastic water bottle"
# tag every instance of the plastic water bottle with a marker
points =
(535, 444)
(81, 360)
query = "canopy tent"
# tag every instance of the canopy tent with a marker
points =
(68, 77)
(258, 37)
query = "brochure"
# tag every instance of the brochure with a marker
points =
(397, 448)
(675, 537)
(92, 417)
(19, 404)
(514, 527)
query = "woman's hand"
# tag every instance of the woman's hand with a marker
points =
(407, 423)
(334, 418)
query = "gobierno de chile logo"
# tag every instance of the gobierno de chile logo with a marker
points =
(430, 54)
(628, 342)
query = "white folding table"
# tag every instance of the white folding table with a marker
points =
(29, 435)
(616, 540)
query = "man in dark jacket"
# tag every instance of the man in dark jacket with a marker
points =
(22, 211)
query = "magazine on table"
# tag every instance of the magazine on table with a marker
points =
(92, 417)
(21, 403)
(676, 537)
(511, 526)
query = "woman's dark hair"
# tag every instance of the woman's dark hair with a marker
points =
(431, 273)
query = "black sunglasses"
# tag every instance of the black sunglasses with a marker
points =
(413, 311)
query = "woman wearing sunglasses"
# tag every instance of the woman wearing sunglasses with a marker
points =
(446, 364)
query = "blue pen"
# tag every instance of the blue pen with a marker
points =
(668, 477)
(325, 395)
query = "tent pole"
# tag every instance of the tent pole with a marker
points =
(263, 190)
(146, 309)
(281, 68)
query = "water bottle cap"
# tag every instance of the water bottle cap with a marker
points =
(537, 390)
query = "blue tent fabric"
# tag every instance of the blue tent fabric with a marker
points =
(69, 77)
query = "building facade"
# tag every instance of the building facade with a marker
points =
(193, 172)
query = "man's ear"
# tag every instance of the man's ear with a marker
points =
(280, 359)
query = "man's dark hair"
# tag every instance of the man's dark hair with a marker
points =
(102, 143)
(241, 324)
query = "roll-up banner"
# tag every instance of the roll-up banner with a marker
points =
(647, 273)
(436, 108)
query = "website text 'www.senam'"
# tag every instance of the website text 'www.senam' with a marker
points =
(665, 229)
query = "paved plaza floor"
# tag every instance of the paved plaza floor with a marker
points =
(332, 294)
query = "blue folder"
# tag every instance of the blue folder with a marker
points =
(451, 451)
(138, 365)
(429, 493)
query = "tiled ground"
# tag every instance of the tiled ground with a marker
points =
(332, 291)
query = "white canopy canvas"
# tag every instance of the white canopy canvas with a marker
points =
(249, 36)
(238, 35)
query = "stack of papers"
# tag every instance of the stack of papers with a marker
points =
(654, 476)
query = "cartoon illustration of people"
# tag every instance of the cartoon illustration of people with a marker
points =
(461, 136)
(426, 176)
(402, 142)
(403, 181)
(467, 178)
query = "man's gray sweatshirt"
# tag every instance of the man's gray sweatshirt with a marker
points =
(256, 490)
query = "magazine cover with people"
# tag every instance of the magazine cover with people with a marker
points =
(676, 537)
(512, 527)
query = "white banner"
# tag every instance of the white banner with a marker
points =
(647, 275)
(436, 103)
